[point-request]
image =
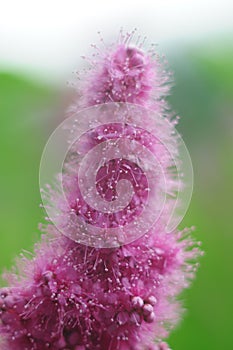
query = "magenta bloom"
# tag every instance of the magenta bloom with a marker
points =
(126, 76)
(82, 297)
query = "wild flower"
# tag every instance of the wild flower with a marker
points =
(82, 297)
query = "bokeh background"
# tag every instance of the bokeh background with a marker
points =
(41, 44)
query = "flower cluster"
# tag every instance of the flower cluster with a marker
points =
(77, 297)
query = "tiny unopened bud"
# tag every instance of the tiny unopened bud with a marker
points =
(137, 302)
(147, 309)
(152, 300)
(150, 318)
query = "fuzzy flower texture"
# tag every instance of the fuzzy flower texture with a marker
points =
(70, 296)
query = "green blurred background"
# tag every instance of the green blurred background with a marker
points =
(202, 95)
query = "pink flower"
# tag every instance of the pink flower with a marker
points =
(73, 295)
(126, 76)
(76, 297)
(124, 73)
